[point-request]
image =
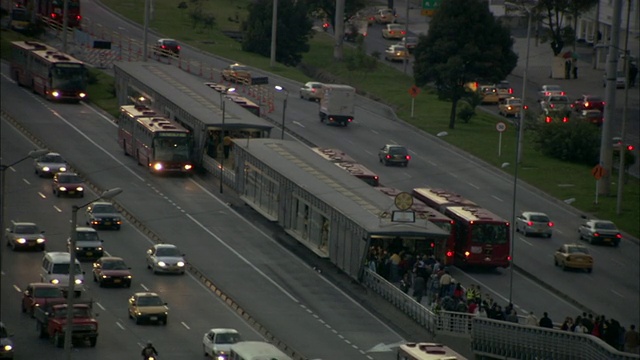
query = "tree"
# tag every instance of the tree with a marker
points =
(465, 42)
(293, 30)
(329, 8)
(553, 14)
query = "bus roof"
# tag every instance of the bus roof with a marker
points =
(32, 45)
(137, 111)
(421, 209)
(429, 351)
(161, 124)
(55, 57)
(240, 100)
(257, 350)
(475, 214)
(439, 198)
(358, 170)
(334, 155)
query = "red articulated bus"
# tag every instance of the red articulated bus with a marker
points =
(443, 250)
(159, 143)
(348, 163)
(53, 74)
(482, 238)
(53, 10)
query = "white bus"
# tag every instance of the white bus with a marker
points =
(427, 351)
(256, 350)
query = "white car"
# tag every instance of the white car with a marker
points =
(311, 91)
(550, 90)
(530, 223)
(166, 258)
(217, 342)
(394, 31)
(396, 53)
(49, 164)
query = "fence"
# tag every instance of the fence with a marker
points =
(494, 338)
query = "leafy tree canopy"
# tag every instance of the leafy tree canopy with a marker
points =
(293, 30)
(554, 13)
(465, 43)
(329, 8)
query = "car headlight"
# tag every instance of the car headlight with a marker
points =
(8, 347)
(80, 188)
(40, 240)
(128, 277)
(99, 248)
(157, 166)
(55, 93)
(62, 188)
(63, 169)
(54, 281)
(78, 248)
(162, 263)
(82, 95)
(78, 281)
(105, 277)
(180, 263)
(21, 240)
(46, 168)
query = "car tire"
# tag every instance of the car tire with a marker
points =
(24, 309)
(563, 266)
(138, 321)
(589, 270)
(525, 233)
(555, 262)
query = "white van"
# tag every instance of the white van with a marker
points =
(55, 270)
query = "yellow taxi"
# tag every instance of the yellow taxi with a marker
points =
(510, 107)
(237, 73)
(489, 94)
(573, 256)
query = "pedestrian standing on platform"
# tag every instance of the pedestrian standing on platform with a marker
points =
(532, 319)
(632, 340)
(567, 69)
(226, 146)
(419, 286)
(546, 321)
(574, 67)
(445, 283)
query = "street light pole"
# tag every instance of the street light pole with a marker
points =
(68, 332)
(65, 23)
(222, 104)
(524, 89)
(284, 106)
(274, 29)
(623, 150)
(32, 154)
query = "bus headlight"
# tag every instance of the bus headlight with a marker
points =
(188, 167)
(82, 95)
(157, 166)
(55, 93)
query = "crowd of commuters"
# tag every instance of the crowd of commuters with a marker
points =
(431, 284)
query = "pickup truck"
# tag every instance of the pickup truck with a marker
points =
(52, 319)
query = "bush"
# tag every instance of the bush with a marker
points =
(576, 141)
(465, 111)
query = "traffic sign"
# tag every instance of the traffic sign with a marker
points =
(598, 172)
(431, 4)
(501, 127)
(414, 91)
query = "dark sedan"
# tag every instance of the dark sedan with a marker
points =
(589, 102)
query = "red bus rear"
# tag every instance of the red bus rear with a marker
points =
(54, 9)
(481, 237)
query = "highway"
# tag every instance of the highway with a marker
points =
(281, 292)
(436, 164)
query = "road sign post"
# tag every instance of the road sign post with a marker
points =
(501, 127)
(598, 172)
(413, 91)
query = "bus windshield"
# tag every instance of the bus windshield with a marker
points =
(171, 148)
(68, 76)
(487, 233)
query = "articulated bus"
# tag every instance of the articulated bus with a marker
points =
(442, 250)
(256, 350)
(349, 164)
(245, 103)
(54, 75)
(482, 238)
(53, 10)
(154, 141)
(427, 351)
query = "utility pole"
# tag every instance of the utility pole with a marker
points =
(406, 33)
(606, 150)
(65, 23)
(145, 37)
(274, 28)
(339, 30)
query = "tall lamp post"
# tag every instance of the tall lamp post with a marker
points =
(222, 153)
(31, 155)
(284, 105)
(68, 332)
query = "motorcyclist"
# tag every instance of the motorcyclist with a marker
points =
(149, 351)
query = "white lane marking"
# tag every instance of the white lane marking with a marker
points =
(299, 260)
(525, 241)
(100, 306)
(617, 293)
(110, 121)
(120, 325)
(473, 185)
(245, 260)
(185, 325)
(368, 152)
(57, 209)
(26, 181)
(17, 288)
(144, 287)
(497, 198)
(431, 163)
(413, 152)
(298, 123)
(375, 132)
(42, 195)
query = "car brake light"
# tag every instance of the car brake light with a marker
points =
(618, 236)
(548, 119)
(164, 46)
(529, 223)
(550, 224)
(547, 93)
(562, 93)
(596, 234)
(408, 157)
(388, 157)
(78, 17)
(178, 47)
(509, 257)
(510, 91)
(551, 106)
(449, 253)
(565, 119)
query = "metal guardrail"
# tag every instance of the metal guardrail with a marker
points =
(494, 338)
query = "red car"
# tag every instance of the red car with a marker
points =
(589, 102)
(111, 271)
(39, 294)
